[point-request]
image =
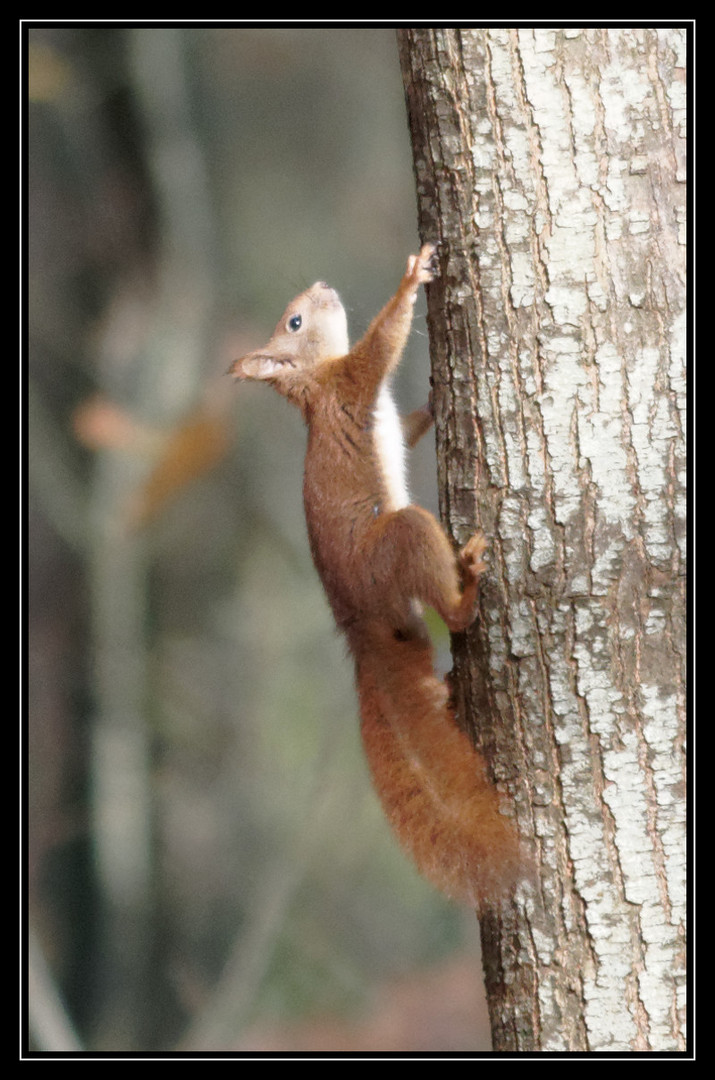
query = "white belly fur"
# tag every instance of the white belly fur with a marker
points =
(390, 449)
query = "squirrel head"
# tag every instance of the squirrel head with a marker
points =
(312, 329)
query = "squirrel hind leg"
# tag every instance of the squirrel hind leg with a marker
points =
(413, 553)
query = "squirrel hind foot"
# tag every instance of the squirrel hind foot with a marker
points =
(471, 555)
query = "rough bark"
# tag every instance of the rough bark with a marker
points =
(550, 164)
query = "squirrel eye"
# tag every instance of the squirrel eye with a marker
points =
(294, 323)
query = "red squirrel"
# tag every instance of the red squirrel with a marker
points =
(380, 557)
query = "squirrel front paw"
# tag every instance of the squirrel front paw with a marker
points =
(422, 268)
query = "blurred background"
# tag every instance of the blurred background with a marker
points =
(208, 868)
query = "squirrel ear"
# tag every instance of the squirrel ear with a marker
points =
(256, 365)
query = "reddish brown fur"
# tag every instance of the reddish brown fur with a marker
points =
(378, 557)
(431, 781)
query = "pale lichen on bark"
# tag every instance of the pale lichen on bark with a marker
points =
(556, 177)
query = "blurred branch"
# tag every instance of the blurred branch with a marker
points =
(189, 449)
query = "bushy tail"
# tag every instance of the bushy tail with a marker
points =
(431, 781)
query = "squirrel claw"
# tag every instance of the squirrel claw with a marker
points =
(423, 268)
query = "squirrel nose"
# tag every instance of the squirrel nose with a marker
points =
(323, 287)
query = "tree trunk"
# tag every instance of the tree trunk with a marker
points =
(550, 165)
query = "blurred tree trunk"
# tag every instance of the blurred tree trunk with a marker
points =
(550, 165)
(154, 373)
